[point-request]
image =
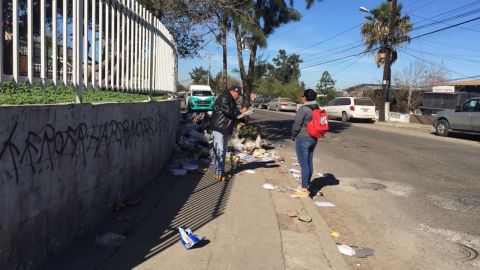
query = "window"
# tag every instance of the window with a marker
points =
(343, 102)
(470, 105)
(202, 93)
(331, 103)
(363, 102)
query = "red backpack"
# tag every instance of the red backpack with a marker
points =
(318, 126)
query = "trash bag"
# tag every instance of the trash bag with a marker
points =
(188, 239)
(110, 239)
(199, 136)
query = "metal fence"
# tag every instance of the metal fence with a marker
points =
(116, 45)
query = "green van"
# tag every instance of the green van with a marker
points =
(200, 98)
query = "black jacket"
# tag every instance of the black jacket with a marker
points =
(224, 114)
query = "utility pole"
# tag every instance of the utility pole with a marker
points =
(387, 74)
(209, 58)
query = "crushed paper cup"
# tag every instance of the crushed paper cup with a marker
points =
(268, 186)
(346, 250)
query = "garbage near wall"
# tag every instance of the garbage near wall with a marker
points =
(195, 141)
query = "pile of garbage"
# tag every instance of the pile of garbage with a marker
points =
(194, 141)
(193, 150)
(247, 145)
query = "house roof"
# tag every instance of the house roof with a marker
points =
(368, 87)
(465, 83)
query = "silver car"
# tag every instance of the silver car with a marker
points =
(282, 104)
(465, 118)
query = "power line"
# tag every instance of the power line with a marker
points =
(463, 78)
(329, 38)
(445, 28)
(431, 62)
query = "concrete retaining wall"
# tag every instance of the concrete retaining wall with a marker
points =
(62, 165)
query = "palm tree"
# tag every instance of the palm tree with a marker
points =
(375, 31)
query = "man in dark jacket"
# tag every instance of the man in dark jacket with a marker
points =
(222, 122)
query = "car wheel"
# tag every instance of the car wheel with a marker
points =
(345, 117)
(442, 128)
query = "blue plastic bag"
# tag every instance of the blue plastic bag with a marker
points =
(188, 239)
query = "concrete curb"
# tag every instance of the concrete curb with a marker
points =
(323, 232)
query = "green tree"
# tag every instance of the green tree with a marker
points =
(326, 82)
(265, 17)
(199, 75)
(285, 68)
(326, 89)
(375, 31)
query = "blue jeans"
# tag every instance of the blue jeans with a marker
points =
(304, 148)
(220, 144)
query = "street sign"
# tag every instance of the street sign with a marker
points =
(443, 89)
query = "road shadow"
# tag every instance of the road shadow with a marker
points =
(462, 136)
(189, 201)
(319, 183)
(278, 130)
(253, 166)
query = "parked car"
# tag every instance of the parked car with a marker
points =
(465, 118)
(282, 104)
(200, 98)
(260, 102)
(347, 108)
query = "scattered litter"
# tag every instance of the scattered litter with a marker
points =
(284, 189)
(178, 172)
(304, 217)
(259, 153)
(320, 174)
(346, 250)
(335, 234)
(292, 213)
(268, 186)
(134, 200)
(250, 171)
(299, 194)
(110, 239)
(267, 159)
(246, 157)
(296, 164)
(324, 204)
(293, 170)
(237, 144)
(188, 239)
(189, 166)
(296, 176)
(363, 252)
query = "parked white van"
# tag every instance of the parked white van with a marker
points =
(347, 108)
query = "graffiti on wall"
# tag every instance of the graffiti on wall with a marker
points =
(83, 142)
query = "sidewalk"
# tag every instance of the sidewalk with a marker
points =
(246, 226)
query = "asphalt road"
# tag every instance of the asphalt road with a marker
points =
(411, 196)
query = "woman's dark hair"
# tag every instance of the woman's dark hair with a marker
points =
(310, 95)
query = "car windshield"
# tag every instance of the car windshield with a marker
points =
(363, 102)
(201, 93)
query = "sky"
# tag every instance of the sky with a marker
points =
(331, 27)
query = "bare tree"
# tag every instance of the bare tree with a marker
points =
(418, 76)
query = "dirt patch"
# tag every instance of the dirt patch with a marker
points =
(293, 224)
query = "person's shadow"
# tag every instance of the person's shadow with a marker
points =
(317, 184)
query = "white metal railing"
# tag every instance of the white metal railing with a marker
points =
(108, 44)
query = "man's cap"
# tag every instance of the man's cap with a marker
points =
(236, 88)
